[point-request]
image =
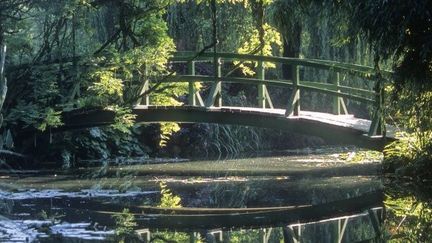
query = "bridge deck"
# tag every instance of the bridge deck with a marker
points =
(336, 129)
(347, 121)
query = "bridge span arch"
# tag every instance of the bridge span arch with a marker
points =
(335, 129)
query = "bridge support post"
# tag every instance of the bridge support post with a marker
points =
(294, 103)
(263, 98)
(338, 102)
(192, 90)
(377, 218)
(377, 127)
(194, 98)
(290, 235)
(144, 235)
(261, 87)
(144, 99)
(342, 224)
(265, 235)
(192, 237)
(215, 95)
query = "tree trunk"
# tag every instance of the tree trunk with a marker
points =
(3, 82)
(291, 48)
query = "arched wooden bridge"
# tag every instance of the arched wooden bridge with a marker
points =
(339, 127)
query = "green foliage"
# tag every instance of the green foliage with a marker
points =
(361, 156)
(410, 156)
(245, 236)
(255, 235)
(166, 130)
(408, 219)
(272, 42)
(395, 30)
(80, 54)
(124, 119)
(168, 199)
(93, 144)
(34, 116)
(107, 84)
(51, 119)
(125, 224)
(411, 111)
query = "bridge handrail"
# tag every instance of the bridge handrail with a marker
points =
(331, 87)
(362, 70)
(321, 87)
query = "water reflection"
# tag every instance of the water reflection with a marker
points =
(409, 211)
(361, 227)
(213, 225)
(303, 198)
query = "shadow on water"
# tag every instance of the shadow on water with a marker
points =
(296, 198)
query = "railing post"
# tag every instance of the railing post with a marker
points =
(376, 219)
(261, 87)
(192, 89)
(218, 69)
(294, 104)
(342, 224)
(144, 100)
(192, 237)
(381, 128)
(377, 127)
(215, 95)
(338, 102)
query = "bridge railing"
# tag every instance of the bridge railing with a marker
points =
(335, 89)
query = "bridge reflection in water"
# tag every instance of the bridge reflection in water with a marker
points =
(338, 221)
(357, 219)
(362, 227)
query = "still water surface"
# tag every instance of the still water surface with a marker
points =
(297, 196)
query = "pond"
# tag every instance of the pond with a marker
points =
(321, 195)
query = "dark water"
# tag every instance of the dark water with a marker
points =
(318, 196)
